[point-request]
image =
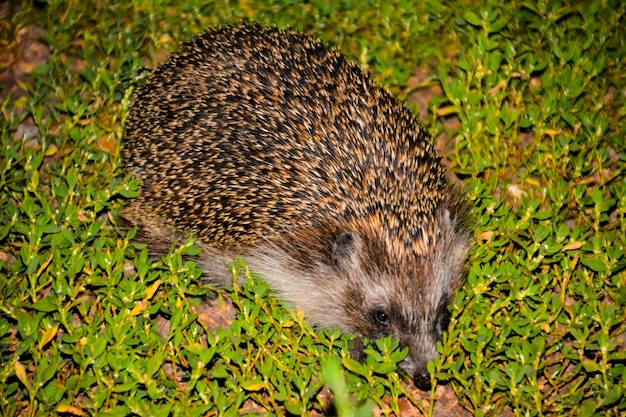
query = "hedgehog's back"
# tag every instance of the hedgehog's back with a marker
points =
(250, 130)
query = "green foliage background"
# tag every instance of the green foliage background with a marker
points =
(531, 115)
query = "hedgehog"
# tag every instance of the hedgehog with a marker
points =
(268, 145)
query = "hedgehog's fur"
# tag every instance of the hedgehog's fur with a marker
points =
(265, 144)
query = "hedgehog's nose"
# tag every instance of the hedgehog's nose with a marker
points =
(422, 380)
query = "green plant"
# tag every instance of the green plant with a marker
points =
(531, 115)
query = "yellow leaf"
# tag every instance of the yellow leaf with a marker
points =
(552, 132)
(139, 308)
(51, 150)
(533, 181)
(152, 289)
(20, 372)
(70, 409)
(45, 264)
(485, 236)
(573, 246)
(48, 335)
(445, 111)
(253, 385)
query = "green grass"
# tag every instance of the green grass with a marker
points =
(531, 110)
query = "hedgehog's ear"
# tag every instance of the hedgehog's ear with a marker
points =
(346, 250)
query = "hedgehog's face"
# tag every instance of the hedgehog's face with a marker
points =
(418, 327)
(411, 301)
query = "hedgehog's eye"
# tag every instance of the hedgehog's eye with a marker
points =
(382, 318)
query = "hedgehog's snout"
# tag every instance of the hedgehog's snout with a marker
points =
(421, 379)
(415, 366)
